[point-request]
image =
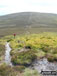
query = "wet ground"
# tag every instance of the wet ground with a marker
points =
(7, 54)
(44, 65)
(39, 65)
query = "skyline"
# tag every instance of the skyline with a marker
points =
(16, 6)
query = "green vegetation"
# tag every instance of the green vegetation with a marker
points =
(25, 48)
(2, 49)
(19, 68)
(2, 52)
(23, 57)
(6, 70)
(29, 72)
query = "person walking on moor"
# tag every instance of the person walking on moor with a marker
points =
(14, 35)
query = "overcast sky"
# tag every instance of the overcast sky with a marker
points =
(13, 6)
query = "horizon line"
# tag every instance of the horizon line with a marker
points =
(27, 12)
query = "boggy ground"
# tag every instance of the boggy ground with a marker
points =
(34, 46)
(6, 70)
(2, 52)
(27, 48)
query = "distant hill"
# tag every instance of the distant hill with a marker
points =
(27, 22)
(29, 19)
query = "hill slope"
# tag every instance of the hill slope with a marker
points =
(27, 22)
(29, 19)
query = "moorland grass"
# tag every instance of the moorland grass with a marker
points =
(42, 44)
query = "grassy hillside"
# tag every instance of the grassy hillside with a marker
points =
(29, 19)
(27, 22)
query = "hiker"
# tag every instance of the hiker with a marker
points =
(14, 35)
